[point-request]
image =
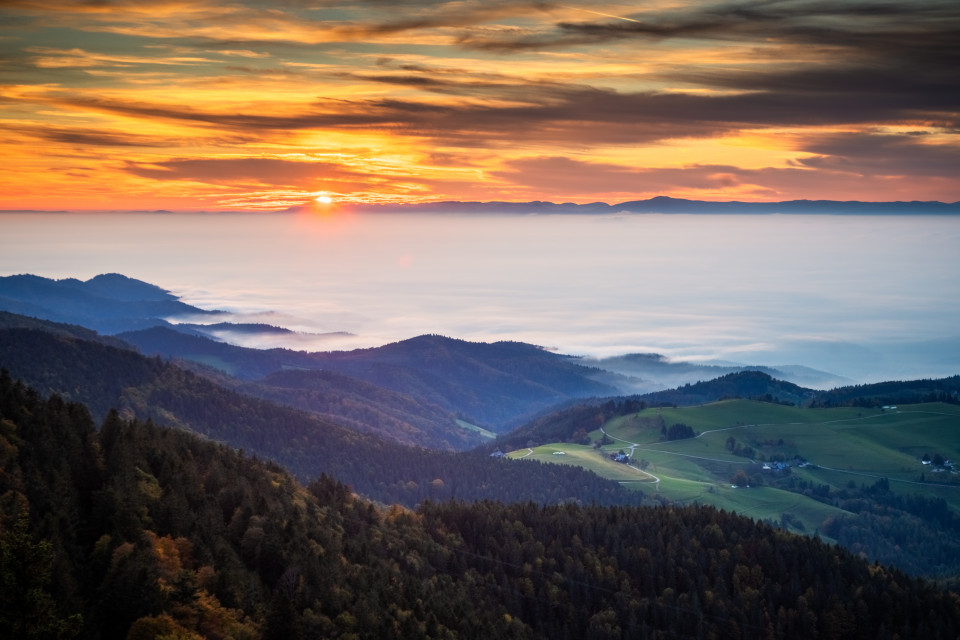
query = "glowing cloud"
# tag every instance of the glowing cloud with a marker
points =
(256, 105)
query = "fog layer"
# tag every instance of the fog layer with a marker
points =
(868, 297)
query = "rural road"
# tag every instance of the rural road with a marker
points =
(633, 446)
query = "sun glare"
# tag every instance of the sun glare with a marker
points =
(323, 199)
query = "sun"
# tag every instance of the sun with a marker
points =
(323, 199)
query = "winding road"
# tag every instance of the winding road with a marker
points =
(632, 446)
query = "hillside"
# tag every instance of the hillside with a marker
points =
(239, 362)
(365, 407)
(876, 480)
(495, 385)
(135, 531)
(744, 384)
(308, 445)
(582, 417)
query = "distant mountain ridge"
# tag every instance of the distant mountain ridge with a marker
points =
(650, 372)
(496, 386)
(666, 204)
(108, 303)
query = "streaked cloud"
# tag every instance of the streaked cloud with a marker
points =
(476, 99)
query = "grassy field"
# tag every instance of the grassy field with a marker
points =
(844, 447)
(489, 435)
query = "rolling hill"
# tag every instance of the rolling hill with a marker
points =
(494, 385)
(852, 474)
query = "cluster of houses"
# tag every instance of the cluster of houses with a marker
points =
(620, 457)
(938, 463)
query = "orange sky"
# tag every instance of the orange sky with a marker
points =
(204, 105)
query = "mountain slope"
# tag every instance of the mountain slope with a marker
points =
(562, 424)
(365, 407)
(142, 532)
(496, 385)
(108, 303)
(292, 378)
(308, 445)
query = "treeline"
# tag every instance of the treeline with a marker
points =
(916, 533)
(742, 384)
(142, 532)
(891, 393)
(567, 424)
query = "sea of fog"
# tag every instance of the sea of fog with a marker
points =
(866, 297)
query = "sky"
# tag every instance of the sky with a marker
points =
(262, 105)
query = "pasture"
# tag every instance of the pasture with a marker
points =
(841, 447)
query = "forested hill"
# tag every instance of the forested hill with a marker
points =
(892, 392)
(136, 531)
(561, 425)
(149, 388)
(755, 385)
(573, 422)
(496, 385)
(108, 303)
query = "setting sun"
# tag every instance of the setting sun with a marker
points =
(323, 199)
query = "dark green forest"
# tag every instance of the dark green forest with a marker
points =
(139, 531)
(892, 392)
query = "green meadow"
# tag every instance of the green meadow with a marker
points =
(489, 435)
(840, 448)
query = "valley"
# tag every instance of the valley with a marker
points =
(799, 468)
(438, 418)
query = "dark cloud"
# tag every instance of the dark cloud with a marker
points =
(905, 53)
(565, 177)
(265, 71)
(398, 17)
(888, 28)
(554, 114)
(575, 177)
(463, 83)
(91, 137)
(269, 171)
(876, 154)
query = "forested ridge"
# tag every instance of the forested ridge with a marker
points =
(144, 532)
(306, 444)
(892, 392)
(496, 385)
